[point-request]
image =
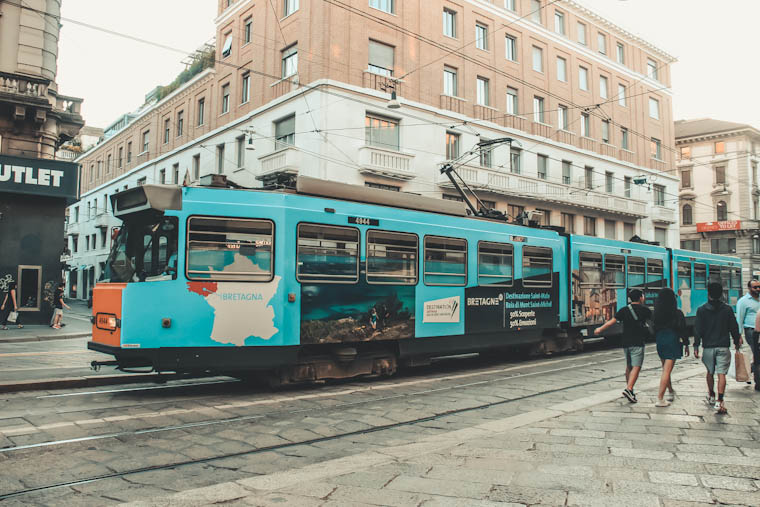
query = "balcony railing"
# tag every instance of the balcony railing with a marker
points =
(379, 82)
(286, 160)
(284, 85)
(541, 129)
(486, 113)
(657, 165)
(607, 150)
(626, 155)
(72, 228)
(662, 214)
(543, 191)
(586, 143)
(565, 136)
(454, 104)
(23, 85)
(101, 220)
(387, 163)
(514, 122)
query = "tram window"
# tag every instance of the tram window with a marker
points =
(655, 277)
(230, 249)
(537, 266)
(700, 276)
(614, 271)
(684, 275)
(714, 274)
(495, 264)
(736, 278)
(391, 258)
(591, 269)
(725, 276)
(445, 261)
(636, 272)
(327, 254)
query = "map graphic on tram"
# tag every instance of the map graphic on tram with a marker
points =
(230, 301)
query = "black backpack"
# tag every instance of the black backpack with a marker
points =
(647, 327)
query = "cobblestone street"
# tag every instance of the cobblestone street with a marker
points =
(550, 431)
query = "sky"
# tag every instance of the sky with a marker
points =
(715, 74)
(113, 74)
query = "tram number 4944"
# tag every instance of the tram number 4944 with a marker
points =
(363, 221)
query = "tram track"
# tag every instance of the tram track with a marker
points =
(316, 394)
(305, 442)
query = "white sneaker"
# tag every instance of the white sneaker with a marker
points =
(710, 401)
(662, 403)
(671, 396)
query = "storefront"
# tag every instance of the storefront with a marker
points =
(34, 194)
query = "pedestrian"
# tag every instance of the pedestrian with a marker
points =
(756, 352)
(9, 304)
(671, 338)
(634, 318)
(747, 310)
(58, 304)
(715, 322)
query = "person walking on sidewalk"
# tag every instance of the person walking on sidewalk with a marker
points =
(58, 304)
(715, 322)
(633, 318)
(747, 311)
(9, 304)
(672, 342)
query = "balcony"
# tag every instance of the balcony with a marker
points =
(662, 214)
(283, 161)
(586, 143)
(72, 228)
(542, 191)
(23, 87)
(607, 150)
(540, 129)
(143, 157)
(565, 136)
(387, 163)
(284, 85)
(657, 165)
(454, 104)
(379, 82)
(486, 113)
(511, 121)
(626, 156)
(101, 220)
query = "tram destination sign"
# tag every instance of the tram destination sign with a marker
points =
(34, 176)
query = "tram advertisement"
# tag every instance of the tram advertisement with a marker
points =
(513, 309)
(332, 313)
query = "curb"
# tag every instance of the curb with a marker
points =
(93, 381)
(44, 338)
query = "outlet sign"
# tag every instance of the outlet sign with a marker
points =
(35, 176)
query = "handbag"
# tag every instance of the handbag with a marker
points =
(742, 366)
(646, 325)
(13, 317)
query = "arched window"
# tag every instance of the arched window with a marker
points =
(722, 211)
(687, 219)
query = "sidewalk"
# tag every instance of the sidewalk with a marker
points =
(597, 450)
(77, 322)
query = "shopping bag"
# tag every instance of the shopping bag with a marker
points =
(742, 366)
(13, 317)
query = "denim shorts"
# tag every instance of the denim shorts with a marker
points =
(634, 356)
(716, 360)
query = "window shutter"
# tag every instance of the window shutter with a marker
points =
(380, 55)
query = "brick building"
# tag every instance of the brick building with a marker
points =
(304, 88)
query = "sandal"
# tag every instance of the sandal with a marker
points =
(20, 326)
(5, 328)
(721, 410)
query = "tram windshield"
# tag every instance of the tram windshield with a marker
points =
(144, 250)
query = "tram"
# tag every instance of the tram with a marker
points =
(330, 280)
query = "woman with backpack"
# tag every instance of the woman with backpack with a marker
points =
(672, 340)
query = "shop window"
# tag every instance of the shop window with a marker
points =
(29, 285)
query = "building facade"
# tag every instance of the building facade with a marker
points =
(719, 196)
(304, 88)
(35, 120)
